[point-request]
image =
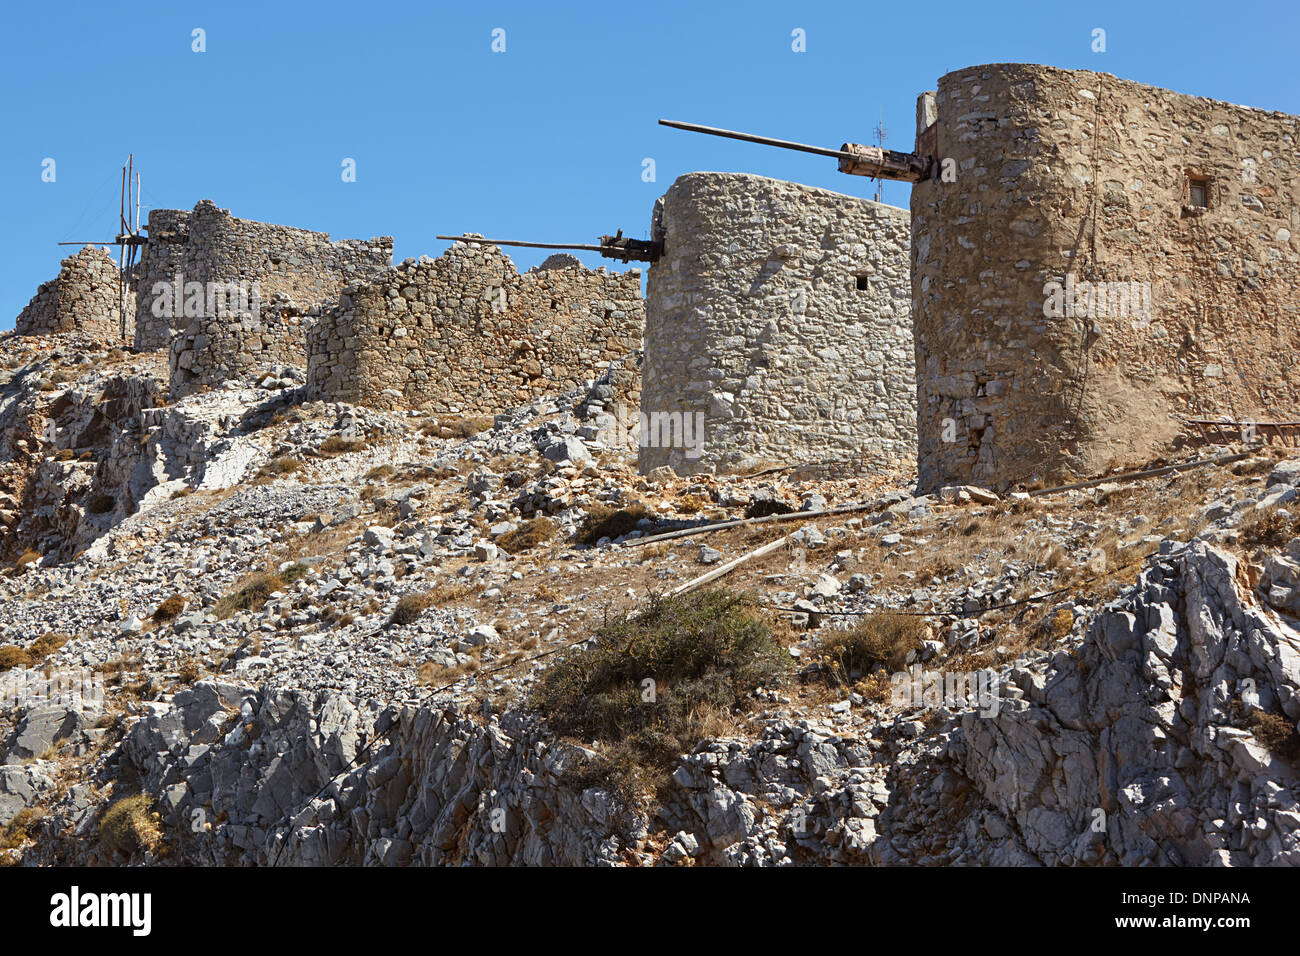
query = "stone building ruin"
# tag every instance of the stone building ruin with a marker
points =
(777, 329)
(260, 285)
(1102, 260)
(1093, 261)
(84, 297)
(467, 333)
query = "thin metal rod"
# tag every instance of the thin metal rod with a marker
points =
(528, 245)
(761, 140)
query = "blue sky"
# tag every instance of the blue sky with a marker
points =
(544, 141)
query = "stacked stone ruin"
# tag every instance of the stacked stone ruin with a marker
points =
(1092, 261)
(1066, 177)
(778, 329)
(296, 272)
(83, 298)
(467, 333)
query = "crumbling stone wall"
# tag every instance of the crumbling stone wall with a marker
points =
(777, 317)
(467, 333)
(1069, 176)
(299, 269)
(219, 348)
(83, 297)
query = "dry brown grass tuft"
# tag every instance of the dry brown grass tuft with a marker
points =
(603, 521)
(409, 608)
(129, 825)
(876, 641)
(528, 535)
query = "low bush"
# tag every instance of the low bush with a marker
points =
(129, 825)
(876, 641)
(705, 652)
(604, 521)
(528, 535)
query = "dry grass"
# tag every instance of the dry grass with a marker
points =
(528, 535)
(875, 642)
(129, 825)
(603, 521)
(254, 591)
(409, 608)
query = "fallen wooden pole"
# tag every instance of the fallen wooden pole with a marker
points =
(738, 522)
(1149, 473)
(729, 566)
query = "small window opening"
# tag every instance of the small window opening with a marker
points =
(864, 283)
(1198, 191)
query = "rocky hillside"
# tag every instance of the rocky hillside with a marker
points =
(244, 628)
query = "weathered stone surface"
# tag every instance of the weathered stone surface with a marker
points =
(82, 298)
(1065, 175)
(467, 333)
(207, 245)
(777, 318)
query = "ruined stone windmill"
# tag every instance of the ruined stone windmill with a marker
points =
(129, 241)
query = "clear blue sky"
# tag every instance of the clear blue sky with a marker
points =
(544, 141)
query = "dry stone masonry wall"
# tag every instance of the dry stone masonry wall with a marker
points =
(268, 265)
(1189, 207)
(82, 298)
(778, 320)
(467, 333)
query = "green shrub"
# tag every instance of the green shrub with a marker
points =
(706, 653)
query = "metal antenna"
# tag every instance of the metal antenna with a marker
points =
(128, 238)
(881, 135)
